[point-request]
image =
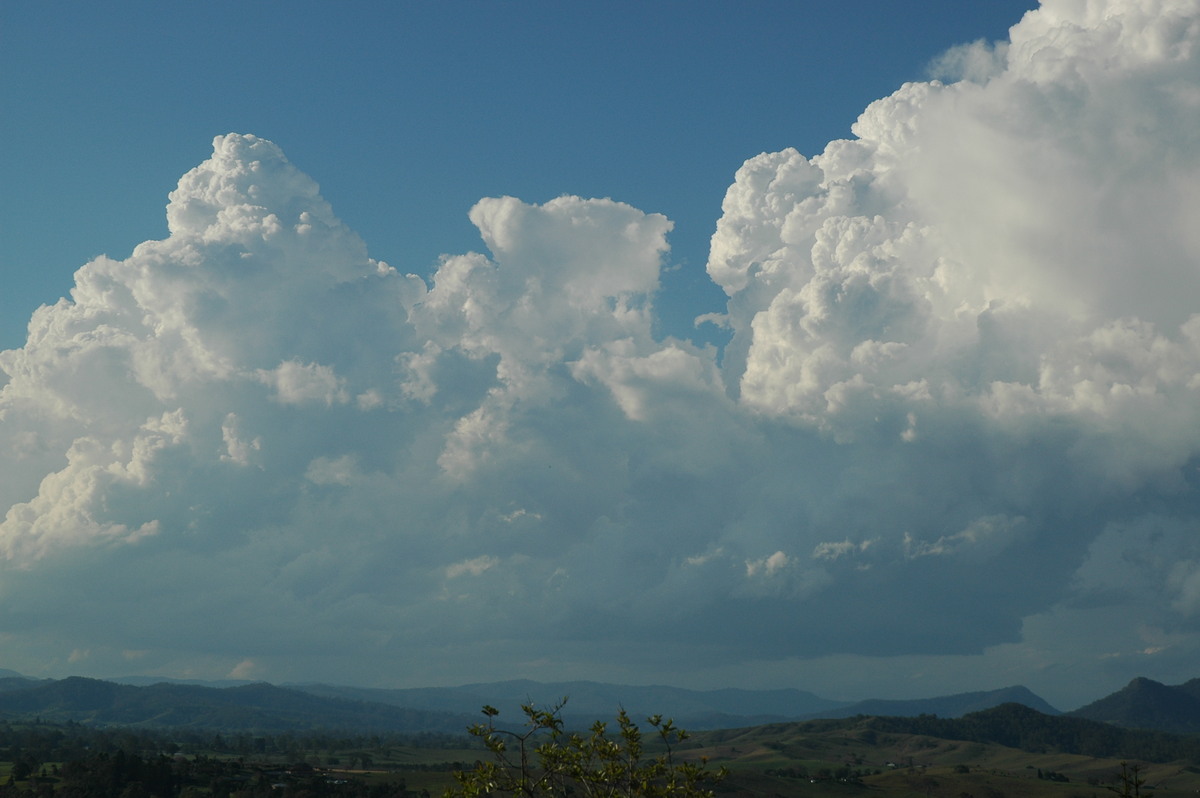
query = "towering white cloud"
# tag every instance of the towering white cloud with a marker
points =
(956, 426)
(998, 275)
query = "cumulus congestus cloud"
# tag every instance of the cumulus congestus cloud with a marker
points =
(957, 424)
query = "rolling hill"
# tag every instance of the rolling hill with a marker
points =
(257, 707)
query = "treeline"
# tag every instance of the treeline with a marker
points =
(75, 761)
(1018, 726)
(53, 742)
(122, 775)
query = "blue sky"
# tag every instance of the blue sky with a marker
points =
(408, 113)
(379, 367)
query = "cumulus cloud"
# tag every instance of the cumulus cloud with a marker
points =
(957, 421)
(767, 566)
(474, 566)
(296, 383)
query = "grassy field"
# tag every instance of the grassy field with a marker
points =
(838, 759)
(420, 769)
(779, 761)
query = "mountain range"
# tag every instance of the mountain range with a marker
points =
(587, 701)
(1147, 704)
(951, 706)
(246, 706)
(692, 709)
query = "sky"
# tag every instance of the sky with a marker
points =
(849, 347)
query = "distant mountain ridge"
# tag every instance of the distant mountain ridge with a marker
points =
(1147, 704)
(952, 706)
(146, 681)
(588, 701)
(251, 707)
(237, 705)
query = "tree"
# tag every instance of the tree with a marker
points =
(543, 760)
(1131, 781)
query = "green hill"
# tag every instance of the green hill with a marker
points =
(1009, 751)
